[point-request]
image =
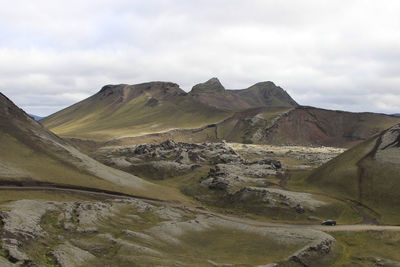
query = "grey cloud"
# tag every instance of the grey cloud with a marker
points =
(332, 54)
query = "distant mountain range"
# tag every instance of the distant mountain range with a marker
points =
(37, 118)
(263, 113)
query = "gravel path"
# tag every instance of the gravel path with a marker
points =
(337, 228)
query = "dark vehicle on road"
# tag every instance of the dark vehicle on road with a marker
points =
(329, 222)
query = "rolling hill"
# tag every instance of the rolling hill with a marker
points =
(30, 155)
(369, 173)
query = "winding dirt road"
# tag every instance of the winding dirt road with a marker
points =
(337, 228)
(356, 228)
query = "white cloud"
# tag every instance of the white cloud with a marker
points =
(332, 54)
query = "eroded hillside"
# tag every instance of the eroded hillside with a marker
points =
(368, 173)
(32, 155)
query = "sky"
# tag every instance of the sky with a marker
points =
(341, 54)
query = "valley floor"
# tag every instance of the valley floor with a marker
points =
(240, 205)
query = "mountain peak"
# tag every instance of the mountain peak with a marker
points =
(141, 86)
(9, 110)
(265, 84)
(269, 91)
(213, 85)
(125, 92)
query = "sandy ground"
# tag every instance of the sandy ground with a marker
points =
(285, 149)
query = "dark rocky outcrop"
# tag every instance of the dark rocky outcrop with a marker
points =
(152, 102)
(211, 86)
(388, 147)
(167, 159)
(123, 92)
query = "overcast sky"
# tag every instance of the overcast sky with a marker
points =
(332, 54)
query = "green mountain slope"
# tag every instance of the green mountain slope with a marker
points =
(134, 110)
(130, 110)
(368, 173)
(31, 155)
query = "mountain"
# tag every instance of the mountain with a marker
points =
(396, 114)
(129, 110)
(35, 117)
(263, 94)
(31, 155)
(369, 173)
(301, 126)
(133, 110)
(211, 86)
(261, 114)
(304, 126)
(314, 126)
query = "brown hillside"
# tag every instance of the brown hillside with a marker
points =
(314, 126)
(280, 126)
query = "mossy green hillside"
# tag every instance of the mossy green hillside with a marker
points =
(103, 119)
(358, 175)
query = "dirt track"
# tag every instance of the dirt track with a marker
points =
(77, 189)
(337, 228)
(356, 228)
